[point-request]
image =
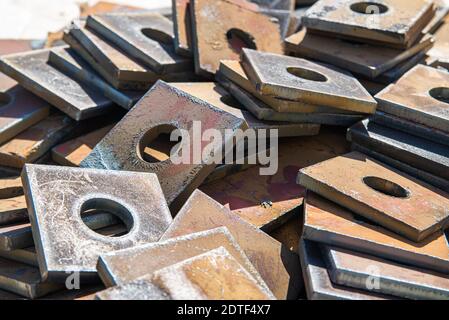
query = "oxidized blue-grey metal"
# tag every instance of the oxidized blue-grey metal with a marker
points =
(57, 196)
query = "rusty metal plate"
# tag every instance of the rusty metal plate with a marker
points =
(380, 193)
(217, 96)
(141, 289)
(421, 96)
(215, 275)
(410, 127)
(269, 201)
(318, 283)
(58, 195)
(277, 267)
(417, 152)
(331, 224)
(440, 50)
(287, 20)
(442, 11)
(394, 22)
(421, 175)
(67, 61)
(10, 187)
(13, 210)
(122, 266)
(35, 141)
(32, 71)
(19, 109)
(290, 232)
(276, 4)
(72, 152)
(360, 271)
(261, 111)
(109, 60)
(24, 280)
(182, 26)
(221, 29)
(146, 37)
(27, 256)
(361, 58)
(301, 80)
(233, 71)
(163, 108)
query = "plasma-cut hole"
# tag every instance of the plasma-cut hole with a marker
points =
(157, 35)
(4, 99)
(386, 187)
(156, 145)
(106, 217)
(441, 94)
(369, 8)
(307, 74)
(239, 39)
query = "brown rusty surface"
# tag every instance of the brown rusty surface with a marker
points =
(34, 142)
(215, 275)
(440, 50)
(57, 195)
(217, 96)
(289, 233)
(244, 193)
(163, 105)
(182, 27)
(410, 97)
(404, 205)
(32, 71)
(401, 24)
(277, 267)
(19, 109)
(213, 19)
(72, 152)
(13, 210)
(104, 7)
(10, 187)
(365, 59)
(301, 80)
(355, 270)
(329, 223)
(124, 266)
(126, 29)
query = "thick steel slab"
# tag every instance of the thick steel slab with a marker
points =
(66, 60)
(213, 21)
(72, 152)
(411, 97)
(318, 283)
(395, 22)
(13, 210)
(141, 289)
(10, 187)
(440, 50)
(109, 60)
(290, 232)
(19, 109)
(380, 193)
(361, 58)
(217, 96)
(32, 71)
(214, 275)
(287, 20)
(182, 26)
(262, 111)
(24, 280)
(331, 224)
(277, 267)
(421, 175)
(122, 266)
(163, 105)
(274, 75)
(35, 141)
(245, 193)
(27, 256)
(232, 70)
(128, 31)
(356, 270)
(410, 127)
(417, 152)
(57, 195)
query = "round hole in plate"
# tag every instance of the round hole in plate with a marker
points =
(386, 187)
(239, 39)
(157, 35)
(369, 7)
(156, 145)
(441, 94)
(93, 213)
(4, 99)
(307, 74)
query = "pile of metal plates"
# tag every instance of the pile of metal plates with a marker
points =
(114, 175)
